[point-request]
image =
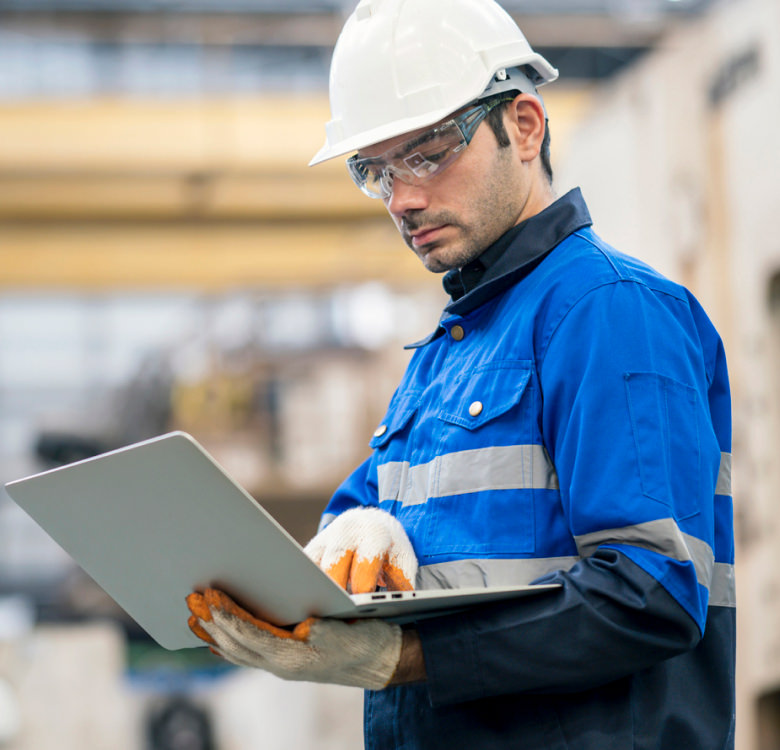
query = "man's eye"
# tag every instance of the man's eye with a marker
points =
(435, 150)
(438, 156)
(425, 162)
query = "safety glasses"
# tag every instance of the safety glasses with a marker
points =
(422, 156)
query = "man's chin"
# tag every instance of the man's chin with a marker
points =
(433, 260)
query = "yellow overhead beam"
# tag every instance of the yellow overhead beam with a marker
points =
(230, 134)
(167, 134)
(210, 256)
(228, 158)
(178, 158)
(170, 195)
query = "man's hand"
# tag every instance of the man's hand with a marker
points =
(364, 548)
(362, 653)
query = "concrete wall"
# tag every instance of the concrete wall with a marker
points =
(678, 159)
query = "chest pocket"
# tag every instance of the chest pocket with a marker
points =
(481, 499)
(400, 412)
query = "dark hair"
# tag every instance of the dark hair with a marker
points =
(495, 119)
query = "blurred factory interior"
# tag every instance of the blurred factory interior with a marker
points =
(168, 261)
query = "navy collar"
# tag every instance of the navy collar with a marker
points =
(512, 257)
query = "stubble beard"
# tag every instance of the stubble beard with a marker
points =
(496, 209)
(458, 251)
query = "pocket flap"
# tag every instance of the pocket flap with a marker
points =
(485, 393)
(402, 408)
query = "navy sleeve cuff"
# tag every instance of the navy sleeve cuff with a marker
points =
(609, 619)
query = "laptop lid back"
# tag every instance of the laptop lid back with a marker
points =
(156, 520)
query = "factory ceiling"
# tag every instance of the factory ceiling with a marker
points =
(266, 44)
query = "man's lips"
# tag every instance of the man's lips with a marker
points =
(426, 236)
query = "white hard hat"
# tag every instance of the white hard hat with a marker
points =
(399, 65)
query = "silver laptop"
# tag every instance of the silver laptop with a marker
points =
(158, 519)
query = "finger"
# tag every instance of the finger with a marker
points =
(365, 574)
(197, 629)
(395, 578)
(302, 630)
(232, 650)
(339, 571)
(220, 601)
(197, 605)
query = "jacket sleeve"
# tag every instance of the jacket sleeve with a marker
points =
(608, 620)
(359, 488)
(626, 421)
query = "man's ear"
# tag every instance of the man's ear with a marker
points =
(526, 125)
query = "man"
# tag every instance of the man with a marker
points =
(568, 421)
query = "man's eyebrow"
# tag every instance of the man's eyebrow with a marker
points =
(403, 149)
(407, 147)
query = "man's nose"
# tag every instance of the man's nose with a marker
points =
(405, 197)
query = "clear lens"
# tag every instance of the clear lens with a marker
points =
(413, 161)
(367, 175)
(420, 157)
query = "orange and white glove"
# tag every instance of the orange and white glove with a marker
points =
(361, 653)
(365, 548)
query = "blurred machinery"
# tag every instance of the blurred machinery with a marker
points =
(179, 724)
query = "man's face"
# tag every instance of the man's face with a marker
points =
(451, 218)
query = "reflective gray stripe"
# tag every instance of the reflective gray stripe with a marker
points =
(511, 467)
(464, 573)
(662, 536)
(723, 590)
(723, 487)
(476, 573)
(390, 476)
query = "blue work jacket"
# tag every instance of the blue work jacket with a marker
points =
(569, 424)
